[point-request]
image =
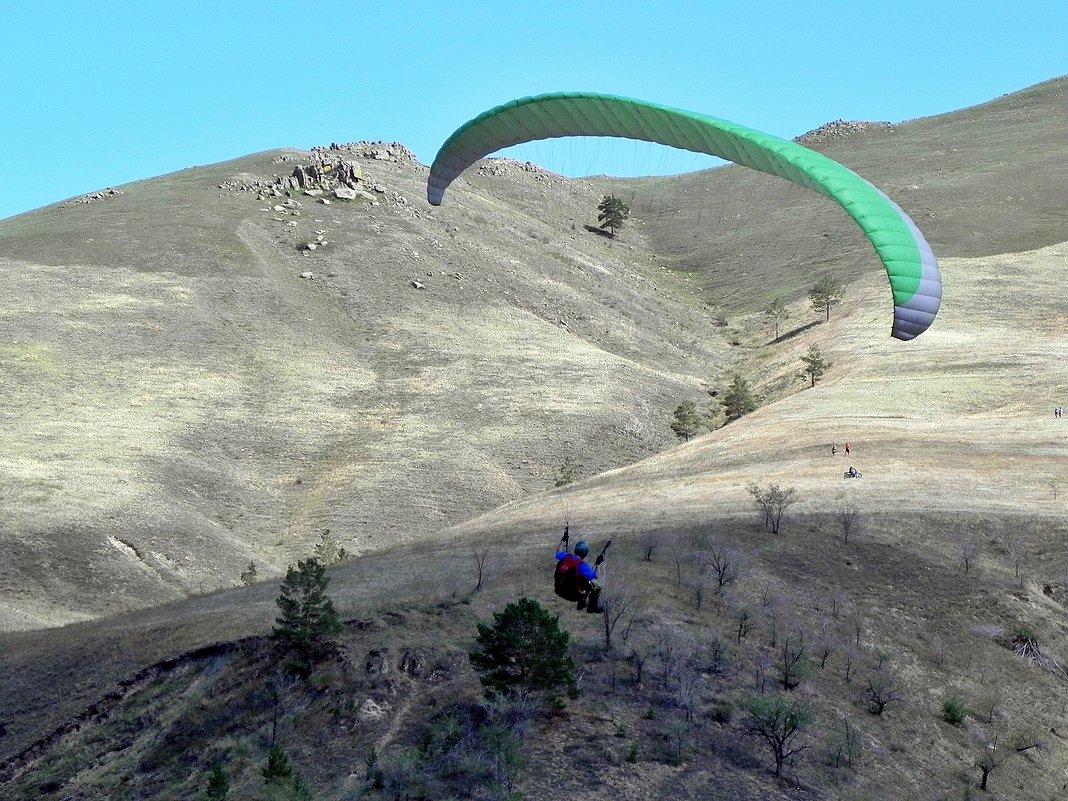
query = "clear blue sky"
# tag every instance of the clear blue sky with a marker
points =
(98, 94)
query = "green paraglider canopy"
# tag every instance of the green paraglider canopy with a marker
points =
(910, 264)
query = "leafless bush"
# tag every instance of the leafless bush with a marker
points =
(849, 521)
(884, 688)
(718, 653)
(724, 562)
(678, 554)
(674, 651)
(858, 619)
(698, 584)
(793, 664)
(616, 598)
(773, 501)
(850, 657)
(828, 642)
(839, 604)
(1014, 550)
(480, 554)
(745, 620)
(688, 692)
(969, 552)
(641, 648)
(651, 541)
(939, 650)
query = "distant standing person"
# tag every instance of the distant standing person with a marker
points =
(834, 449)
(847, 449)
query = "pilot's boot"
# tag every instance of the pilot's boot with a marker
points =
(592, 606)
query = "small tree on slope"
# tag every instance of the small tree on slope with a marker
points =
(524, 652)
(308, 620)
(613, 214)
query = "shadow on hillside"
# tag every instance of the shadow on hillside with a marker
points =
(797, 331)
(593, 229)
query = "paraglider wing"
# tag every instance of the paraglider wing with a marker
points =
(910, 264)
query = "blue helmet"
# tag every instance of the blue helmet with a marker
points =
(582, 548)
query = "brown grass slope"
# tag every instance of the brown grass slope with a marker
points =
(956, 439)
(179, 401)
(981, 181)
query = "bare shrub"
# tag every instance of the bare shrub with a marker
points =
(745, 619)
(725, 563)
(849, 520)
(718, 653)
(773, 501)
(651, 541)
(1014, 550)
(828, 642)
(480, 555)
(698, 584)
(616, 599)
(674, 650)
(884, 688)
(969, 553)
(793, 664)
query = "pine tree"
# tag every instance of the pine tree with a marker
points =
(827, 292)
(815, 365)
(328, 550)
(308, 619)
(524, 651)
(688, 421)
(613, 214)
(776, 314)
(278, 770)
(738, 400)
(218, 784)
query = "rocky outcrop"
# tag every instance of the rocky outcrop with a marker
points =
(103, 194)
(838, 129)
(331, 171)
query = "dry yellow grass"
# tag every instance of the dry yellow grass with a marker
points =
(960, 419)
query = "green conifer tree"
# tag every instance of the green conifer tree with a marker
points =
(218, 784)
(688, 421)
(308, 620)
(613, 214)
(738, 400)
(815, 365)
(828, 291)
(524, 652)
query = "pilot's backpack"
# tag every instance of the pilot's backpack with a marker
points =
(566, 578)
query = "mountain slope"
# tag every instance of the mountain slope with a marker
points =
(954, 434)
(181, 401)
(980, 181)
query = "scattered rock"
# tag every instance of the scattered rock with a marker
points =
(377, 663)
(101, 195)
(370, 710)
(308, 276)
(417, 283)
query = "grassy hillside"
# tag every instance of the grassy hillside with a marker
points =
(978, 182)
(956, 559)
(180, 401)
